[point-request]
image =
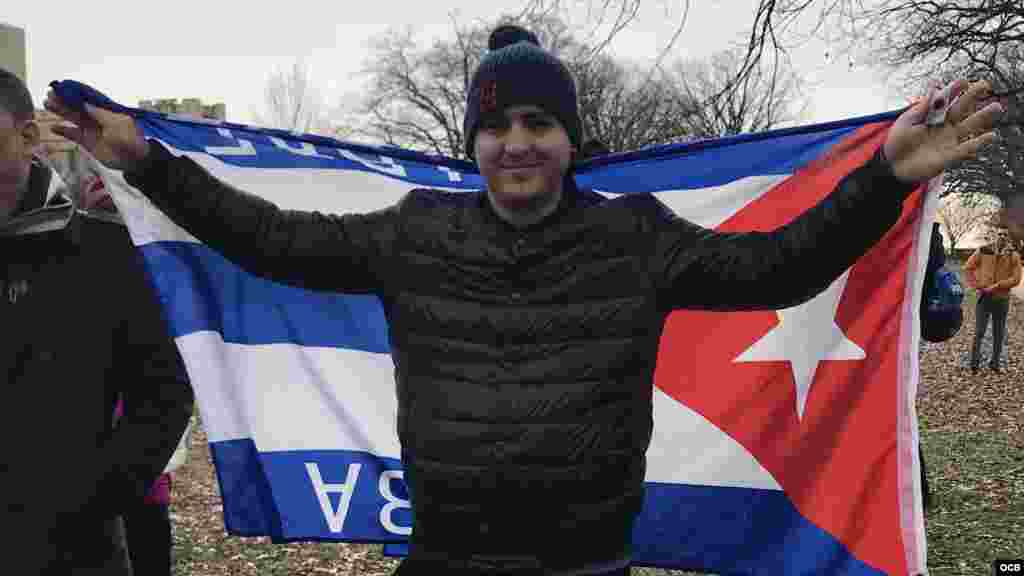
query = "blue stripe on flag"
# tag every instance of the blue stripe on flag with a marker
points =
(728, 531)
(257, 149)
(202, 291)
(677, 167)
(702, 168)
(249, 508)
(377, 496)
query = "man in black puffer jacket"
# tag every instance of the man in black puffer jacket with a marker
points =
(525, 319)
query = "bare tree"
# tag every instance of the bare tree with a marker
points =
(970, 37)
(602, 20)
(625, 108)
(292, 102)
(418, 94)
(961, 214)
(913, 37)
(730, 100)
(416, 98)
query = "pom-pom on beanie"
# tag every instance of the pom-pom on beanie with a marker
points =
(518, 72)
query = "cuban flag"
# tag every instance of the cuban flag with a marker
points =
(784, 442)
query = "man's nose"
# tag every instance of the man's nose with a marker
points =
(517, 139)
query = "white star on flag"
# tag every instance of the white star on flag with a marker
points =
(806, 335)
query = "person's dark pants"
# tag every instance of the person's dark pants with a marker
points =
(926, 491)
(997, 309)
(148, 535)
(99, 553)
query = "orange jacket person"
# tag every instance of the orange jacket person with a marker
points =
(993, 270)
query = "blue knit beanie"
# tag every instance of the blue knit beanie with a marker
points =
(518, 72)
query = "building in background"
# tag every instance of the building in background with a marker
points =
(192, 107)
(12, 51)
(63, 154)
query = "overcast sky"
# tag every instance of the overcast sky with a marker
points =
(223, 50)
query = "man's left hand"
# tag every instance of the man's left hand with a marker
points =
(918, 152)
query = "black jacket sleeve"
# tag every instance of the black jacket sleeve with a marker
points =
(698, 268)
(342, 253)
(157, 395)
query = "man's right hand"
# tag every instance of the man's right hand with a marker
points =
(113, 139)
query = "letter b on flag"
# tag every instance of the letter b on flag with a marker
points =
(336, 517)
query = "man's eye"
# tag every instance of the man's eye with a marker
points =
(540, 122)
(491, 124)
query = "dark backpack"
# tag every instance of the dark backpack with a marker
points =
(943, 295)
(942, 308)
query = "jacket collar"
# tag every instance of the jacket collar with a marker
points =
(43, 208)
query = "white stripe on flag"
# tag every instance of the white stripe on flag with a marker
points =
(686, 448)
(255, 392)
(710, 207)
(328, 192)
(277, 395)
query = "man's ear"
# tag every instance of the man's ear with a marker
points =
(30, 132)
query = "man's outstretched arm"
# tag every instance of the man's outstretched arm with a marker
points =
(704, 269)
(343, 253)
(699, 268)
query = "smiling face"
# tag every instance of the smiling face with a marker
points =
(523, 153)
